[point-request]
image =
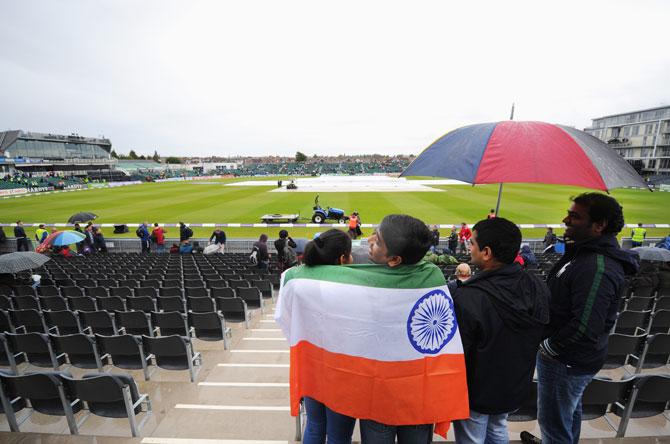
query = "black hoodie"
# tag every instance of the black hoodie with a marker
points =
(585, 289)
(501, 316)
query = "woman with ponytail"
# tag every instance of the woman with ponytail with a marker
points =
(332, 247)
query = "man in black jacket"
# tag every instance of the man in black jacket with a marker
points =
(22, 242)
(585, 288)
(502, 312)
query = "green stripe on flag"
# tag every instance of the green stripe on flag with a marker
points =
(600, 269)
(421, 275)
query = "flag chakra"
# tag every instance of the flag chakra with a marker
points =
(431, 323)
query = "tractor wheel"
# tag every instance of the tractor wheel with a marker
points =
(341, 220)
(317, 219)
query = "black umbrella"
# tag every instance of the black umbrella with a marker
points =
(81, 217)
(23, 260)
(653, 254)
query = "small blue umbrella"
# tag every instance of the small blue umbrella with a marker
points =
(68, 238)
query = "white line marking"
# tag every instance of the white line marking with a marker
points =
(258, 408)
(265, 321)
(263, 339)
(157, 440)
(266, 329)
(244, 384)
(259, 351)
(254, 365)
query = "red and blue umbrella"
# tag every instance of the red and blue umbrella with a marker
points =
(525, 152)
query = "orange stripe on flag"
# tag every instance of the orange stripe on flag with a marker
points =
(430, 390)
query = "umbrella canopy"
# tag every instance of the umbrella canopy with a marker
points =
(653, 254)
(525, 152)
(21, 260)
(81, 217)
(67, 238)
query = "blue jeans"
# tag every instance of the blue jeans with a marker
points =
(322, 422)
(559, 400)
(481, 428)
(373, 432)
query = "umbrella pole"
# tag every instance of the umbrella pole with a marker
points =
(499, 197)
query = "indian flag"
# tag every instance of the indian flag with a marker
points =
(374, 342)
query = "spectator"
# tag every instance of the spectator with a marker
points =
(330, 248)
(145, 237)
(158, 238)
(354, 225)
(99, 244)
(174, 249)
(22, 242)
(549, 238)
(491, 214)
(89, 241)
(286, 255)
(41, 234)
(453, 240)
(65, 251)
(185, 233)
(219, 237)
(529, 259)
(637, 235)
(664, 243)
(501, 312)
(461, 274)
(436, 238)
(82, 244)
(464, 238)
(186, 247)
(399, 240)
(3, 236)
(260, 247)
(585, 286)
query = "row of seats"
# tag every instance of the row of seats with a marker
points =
(632, 322)
(639, 396)
(130, 352)
(59, 394)
(207, 326)
(643, 351)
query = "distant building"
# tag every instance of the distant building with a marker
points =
(641, 137)
(39, 153)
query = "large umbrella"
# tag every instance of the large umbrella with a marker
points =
(21, 260)
(525, 152)
(653, 254)
(67, 238)
(81, 217)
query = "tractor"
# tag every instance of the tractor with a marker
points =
(321, 215)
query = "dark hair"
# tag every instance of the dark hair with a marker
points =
(263, 238)
(405, 236)
(327, 248)
(501, 236)
(155, 224)
(602, 209)
(283, 234)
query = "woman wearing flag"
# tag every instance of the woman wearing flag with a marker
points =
(330, 248)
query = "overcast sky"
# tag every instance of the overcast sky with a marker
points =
(273, 77)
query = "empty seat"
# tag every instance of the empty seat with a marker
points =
(663, 303)
(644, 291)
(639, 303)
(24, 291)
(170, 323)
(26, 303)
(173, 353)
(111, 396)
(233, 309)
(200, 304)
(125, 351)
(53, 303)
(135, 322)
(660, 322)
(150, 283)
(48, 290)
(216, 283)
(170, 291)
(223, 292)
(85, 303)
(46, 394)
(656, 351)
(238, 283)
(100, 322)
(31, 320)
(122, 292)
(37, 349)
(8, 358)
(210, 326)
(252, 296)
(600, 394)
(71, 291)
(6, 303)
(650, 397)
(197, 292)
(81, 350)
(621, 348)
(141, 303)
(111, 303)
(172, 283)
(96, 292)
(146, 291)
(171, 303)
(66, 322)
(264, 286)
(632, 322)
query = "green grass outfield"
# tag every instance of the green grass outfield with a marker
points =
(170, 202)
